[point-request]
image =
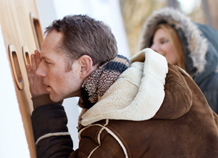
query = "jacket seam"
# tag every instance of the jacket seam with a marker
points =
(118, 140)
(103, 127)
(51, 135)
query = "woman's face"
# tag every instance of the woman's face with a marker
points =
(161, 44)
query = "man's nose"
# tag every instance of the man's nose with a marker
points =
(40, 71)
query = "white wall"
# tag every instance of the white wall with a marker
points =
(46, 11)
(107, 11)
(13, 142)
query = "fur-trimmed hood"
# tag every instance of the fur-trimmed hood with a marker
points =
(194, 43)
(143, 83)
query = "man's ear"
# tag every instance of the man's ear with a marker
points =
(86, 66)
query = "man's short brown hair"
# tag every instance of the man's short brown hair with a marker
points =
(83, 35)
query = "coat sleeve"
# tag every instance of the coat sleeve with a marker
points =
(178, 96)
(50, 131)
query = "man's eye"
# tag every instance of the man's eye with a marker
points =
(47, 62)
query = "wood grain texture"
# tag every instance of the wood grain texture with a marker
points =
(17, 30)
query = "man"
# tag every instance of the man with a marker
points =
(146, 109)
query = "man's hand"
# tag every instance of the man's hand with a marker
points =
(37, 87)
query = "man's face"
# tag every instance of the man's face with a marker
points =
(60, 82)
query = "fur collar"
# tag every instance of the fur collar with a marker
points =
(197, 47)
(136, 95)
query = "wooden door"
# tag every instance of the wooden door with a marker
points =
(22, 35)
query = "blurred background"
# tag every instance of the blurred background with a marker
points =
(135, 12)
(129, 13)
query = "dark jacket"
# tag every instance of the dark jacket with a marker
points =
(200, 44)
(153, 110)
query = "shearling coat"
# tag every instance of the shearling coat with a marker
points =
(153, 110)
(200, 45)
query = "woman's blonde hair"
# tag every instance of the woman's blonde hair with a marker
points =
(176, 43)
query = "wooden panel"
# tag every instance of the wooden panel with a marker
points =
(17, 31)
(15, 64)
(37, 31)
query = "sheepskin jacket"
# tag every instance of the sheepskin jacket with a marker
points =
(153, 110)
(200, 45)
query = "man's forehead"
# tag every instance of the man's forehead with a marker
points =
(51, 54)
(52, 39)
(44, 55)
(51, 44)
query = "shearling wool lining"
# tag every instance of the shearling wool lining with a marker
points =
(143, 96)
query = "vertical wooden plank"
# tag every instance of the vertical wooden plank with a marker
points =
(13, 139)
(17, 30)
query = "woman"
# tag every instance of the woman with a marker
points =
(189, 45)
